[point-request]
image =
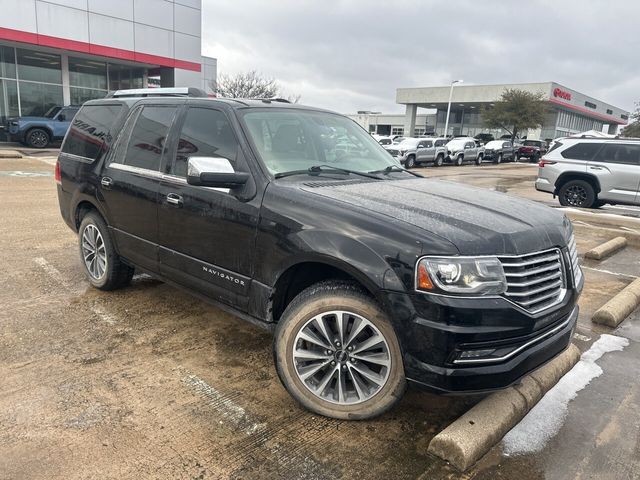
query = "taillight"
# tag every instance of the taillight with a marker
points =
(56, 176)
(543, 162)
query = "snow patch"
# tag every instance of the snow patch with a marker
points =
(546, 418)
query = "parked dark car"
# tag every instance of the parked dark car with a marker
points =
(39, 132)
(484, 137)
(295, 218)
(533, 149)
(500, 151)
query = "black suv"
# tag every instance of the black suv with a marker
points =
(297, 218)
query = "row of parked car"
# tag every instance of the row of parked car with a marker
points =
(415, 151)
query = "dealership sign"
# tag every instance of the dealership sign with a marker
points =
(558, 92)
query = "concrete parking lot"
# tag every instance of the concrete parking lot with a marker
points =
(149, 382)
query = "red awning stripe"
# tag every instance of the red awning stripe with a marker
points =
(93, 49)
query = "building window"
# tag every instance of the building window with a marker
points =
(81, 95)
(7, 62)
(122, 77)
(87, 73)
(609, 111)
(397, 130)
(590, 105)
(37, 98)
(418, 131)
(39, 67)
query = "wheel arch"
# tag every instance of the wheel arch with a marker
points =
(38, 127)
(84, 206)
(568, 176)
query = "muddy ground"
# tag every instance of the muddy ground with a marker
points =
(149, 382)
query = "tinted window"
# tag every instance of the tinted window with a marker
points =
(506, 145)
(428, 144)
(616, 153)
(205, 133)
(385, 141)
(422, 144)
(581, 151)
(148, 137)
(441, 143)
(470, 145)
(89, 135)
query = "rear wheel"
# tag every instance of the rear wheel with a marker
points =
(411, 161)
(498, 159)
(577, 193)
(337, 353)
(479, 160)
(37, 138)
(101, 263)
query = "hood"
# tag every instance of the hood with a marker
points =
(31, 119)
(476, 221)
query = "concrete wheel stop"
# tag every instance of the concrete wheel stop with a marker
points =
(472, 435)
(619, 307)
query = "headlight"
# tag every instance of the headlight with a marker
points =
(402, 152)
(461, 275)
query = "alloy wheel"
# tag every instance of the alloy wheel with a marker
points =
(341, 357)
(576, 195)
(94, 252)
(38, 139)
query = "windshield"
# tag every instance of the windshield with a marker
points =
(495, 144)
(52, 112)
(289, 140)
(409, 142)
(532, 143)
(456, 144)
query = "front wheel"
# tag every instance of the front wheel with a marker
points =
(411, 161)
(37, 138)
(337, 353)
(101, 263)
(459, 160)
(439, 160)
(577, 193)
(498, 159)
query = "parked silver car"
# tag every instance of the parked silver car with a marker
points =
(415, 151)
(588, 173)
(465, 149)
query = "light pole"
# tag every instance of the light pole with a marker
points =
(446, 123)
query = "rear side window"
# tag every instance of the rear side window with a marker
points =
(205, 133)
(148, 137)
(90, 132)
(617, 153)
(581, 151)
(441, 143)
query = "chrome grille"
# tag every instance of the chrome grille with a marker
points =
(393, 152)
(535, 281)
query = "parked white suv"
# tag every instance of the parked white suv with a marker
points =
(589, 172)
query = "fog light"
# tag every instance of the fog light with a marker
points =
(476, 353)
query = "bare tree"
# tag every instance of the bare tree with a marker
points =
(251, 84)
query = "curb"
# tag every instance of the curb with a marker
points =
(632, 237)
(607, 248)
(10, 154)
(472, 435)
(619, 307)
(609, 219)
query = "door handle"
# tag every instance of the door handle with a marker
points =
(106, 182)
(174, 199)
(596, 168)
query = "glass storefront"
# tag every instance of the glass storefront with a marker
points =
(31, 82)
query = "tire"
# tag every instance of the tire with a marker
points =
(410, 162)
(498, 159)
(479, 160)
(598, 203)
(439, 160)
(459, 160)
(110, 273)
(535, 158)
(577, 193)
(306, 313)
(37, 138)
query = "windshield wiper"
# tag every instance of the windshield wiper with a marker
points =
(396, 168)
(317, 169)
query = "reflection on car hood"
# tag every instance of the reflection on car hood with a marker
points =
(477, 221)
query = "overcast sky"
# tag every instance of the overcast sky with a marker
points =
(352, 54)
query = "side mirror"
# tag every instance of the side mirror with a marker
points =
(214, 172)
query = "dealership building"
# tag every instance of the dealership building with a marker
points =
(65, 52)
(569, 111)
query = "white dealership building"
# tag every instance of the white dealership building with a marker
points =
(61, 52)
(568, 111)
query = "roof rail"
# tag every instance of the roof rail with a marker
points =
(159, 92)
(269, 100)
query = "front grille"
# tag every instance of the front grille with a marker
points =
(393, 152)
(535, 281)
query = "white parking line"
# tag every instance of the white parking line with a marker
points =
(609, 272)
(52, 271)
(544, 420)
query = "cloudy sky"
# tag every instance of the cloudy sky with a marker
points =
(349, 55)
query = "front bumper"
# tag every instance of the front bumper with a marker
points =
(434, 331)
